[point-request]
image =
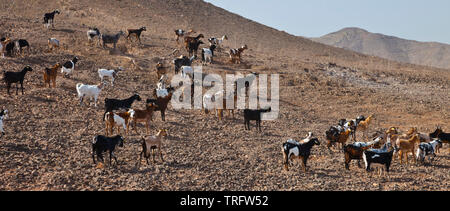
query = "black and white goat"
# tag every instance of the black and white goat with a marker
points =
(102, 144)
(68, 66)
(92, 33)
(380, 157)
(21, 43)
(217, 41)
(108, 38)
(182, 61)
(15, 77)
(115, 104)
(3, 115)
(207, 54)
(292, 149)
(49, 18)
(425, 149)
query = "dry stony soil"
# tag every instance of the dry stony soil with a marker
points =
(47, 145)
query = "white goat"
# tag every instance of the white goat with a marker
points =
(53, 43)
(119, 120)
(112, 74)
(3, 115)
(89, 91)
(186, 70)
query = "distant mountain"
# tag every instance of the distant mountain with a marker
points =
(389, 47)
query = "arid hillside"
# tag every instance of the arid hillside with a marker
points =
(48, 138)
(389, 47)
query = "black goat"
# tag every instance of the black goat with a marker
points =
(250, 114)
(300, 150)
(136, 33)
(49, 17)
(115, 104)
(15, 77)
(193, 47)
(102, 144)
(439, 133)
(182, 61)
(9, 48)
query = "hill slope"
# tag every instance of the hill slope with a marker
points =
(389, 47)
(48, 138)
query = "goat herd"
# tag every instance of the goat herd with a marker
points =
(119, 113)
(382, 149)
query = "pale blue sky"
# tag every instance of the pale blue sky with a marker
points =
(421, 20)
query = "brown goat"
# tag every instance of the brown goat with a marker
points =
(235, 54)
(3, 46)
(160, 70)
(50, 75)
(150, 143)
(343, 137)
(407, 145)
(144, 116)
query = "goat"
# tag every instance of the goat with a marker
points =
(301, 151)
(9, 48)
(49, 17)
(207, 54)
(160, 69)
(363, 125)
(217, 41)
(21, 43)
(425, 149)
(162, 102)
(337, 136)
(193, 47)
(181, 33)
(219, 111)
(136, 33)
(123, 119)
(3, 115)
(354, 151)
(93, 32)
(235, 54)
(3, 43)
(53, 43)
(115, 104)
(90, 91)
(108, 38)
(406, 145)
(250, 114)
(151, 143)
(187, 70)
(15, 77)
(182, 61)
(188, 40)
(112, 74)
(68, 66)
(383, 158)
(444, 137)
(50, 75)
(102, 144)
(144, 116)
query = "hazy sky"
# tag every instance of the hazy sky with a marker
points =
(422, 20)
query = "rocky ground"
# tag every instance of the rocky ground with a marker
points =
(47, 145)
